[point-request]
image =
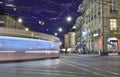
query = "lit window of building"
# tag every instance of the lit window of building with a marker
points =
(113, 6)
(113, 24)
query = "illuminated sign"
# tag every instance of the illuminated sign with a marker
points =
(95, 35)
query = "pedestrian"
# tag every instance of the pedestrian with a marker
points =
(100, 52)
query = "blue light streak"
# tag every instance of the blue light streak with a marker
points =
(19, 44)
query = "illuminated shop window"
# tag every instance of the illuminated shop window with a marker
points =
(113, 24)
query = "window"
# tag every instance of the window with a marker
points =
(2, 23)
(91, 1)
(113, 5)
(113, 24)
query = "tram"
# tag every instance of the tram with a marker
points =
(25, 45)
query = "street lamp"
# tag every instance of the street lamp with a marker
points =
(69, 18)
(20, 20)
(60, 30)
(56, 34)
(41, 22)
(26, 29)
(74, 27)
(84, 33)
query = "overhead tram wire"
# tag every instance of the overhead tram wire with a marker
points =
(64, 9)
(45, 10)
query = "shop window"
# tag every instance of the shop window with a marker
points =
(113, 24)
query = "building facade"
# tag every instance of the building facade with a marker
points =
(70, 42)
(8, 22)
(99, 25)
(66, 44)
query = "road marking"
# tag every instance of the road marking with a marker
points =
(44, 72)
(95, 73)
(38, 70)
(114, 73)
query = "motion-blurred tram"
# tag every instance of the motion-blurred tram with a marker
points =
(26, 45)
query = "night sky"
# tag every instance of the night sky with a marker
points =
(52, 12)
